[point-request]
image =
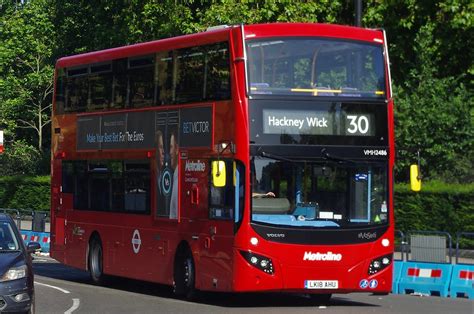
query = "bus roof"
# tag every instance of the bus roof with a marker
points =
(222, 34)
(140, 49)
(313, 29)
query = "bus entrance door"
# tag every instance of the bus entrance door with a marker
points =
(219, 232)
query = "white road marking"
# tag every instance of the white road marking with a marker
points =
(75, 302)
(75, 306)
(53, 287)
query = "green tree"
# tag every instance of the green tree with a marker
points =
(19, 158)
(84, 26)
(26, 81)
(26, 74)
(248, 12)
(451, 23)
(431, 50)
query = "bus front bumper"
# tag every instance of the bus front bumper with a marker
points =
(317, 277)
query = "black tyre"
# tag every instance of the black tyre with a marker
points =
(32, 306)
(96, 262)
(184, 276)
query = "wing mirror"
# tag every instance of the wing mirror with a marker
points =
(33, 247)
(218, 173)
(415, 178)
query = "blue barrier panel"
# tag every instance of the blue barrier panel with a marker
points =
(425, 278)
(43, 238)
(397, 272)
(462, 281)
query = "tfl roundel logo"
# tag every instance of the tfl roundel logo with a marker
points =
(136, 241)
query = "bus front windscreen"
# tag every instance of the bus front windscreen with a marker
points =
(318, 194)
(315, 67)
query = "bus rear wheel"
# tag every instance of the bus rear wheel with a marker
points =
(184, 276)
(95, 262)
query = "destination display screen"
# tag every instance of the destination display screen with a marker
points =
(317, 122)
(276, 122)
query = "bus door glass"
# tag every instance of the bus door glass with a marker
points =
(219, 235)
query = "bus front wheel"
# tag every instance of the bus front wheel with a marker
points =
(95, 262)
(184, 276)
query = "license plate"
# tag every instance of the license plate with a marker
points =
(321, 284)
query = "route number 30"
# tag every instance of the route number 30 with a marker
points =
(358, 124)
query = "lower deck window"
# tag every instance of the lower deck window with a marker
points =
(111, 185)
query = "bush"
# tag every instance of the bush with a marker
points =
(25, 193)
(20, 158)
(438, 207)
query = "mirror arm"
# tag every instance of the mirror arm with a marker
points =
(221, 147)
(419, 177)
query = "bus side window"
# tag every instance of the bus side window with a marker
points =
(100, 84)
(141, 81)
(67, 172)
(60, 98)
(81, 186)
(190, 75)
(98, 185)
(164, 77)
(120, 84)
(217, 73)
(137, 187)
(77, 89)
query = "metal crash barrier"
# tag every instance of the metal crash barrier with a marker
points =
(38, 222)
(399, 257)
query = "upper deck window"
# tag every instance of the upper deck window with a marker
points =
(315, 67)
(179, 76)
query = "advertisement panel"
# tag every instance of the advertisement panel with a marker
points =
(163, 131)
(136, 130)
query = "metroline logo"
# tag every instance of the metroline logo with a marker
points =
(329, 256)
(195, 166)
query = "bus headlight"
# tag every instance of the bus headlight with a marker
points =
(379, 264)
(261, 262)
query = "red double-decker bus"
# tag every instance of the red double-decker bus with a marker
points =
(243, 158)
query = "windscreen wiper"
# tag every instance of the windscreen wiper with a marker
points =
(276, 157)
(328, 156)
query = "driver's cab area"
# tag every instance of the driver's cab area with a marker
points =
(318, 194)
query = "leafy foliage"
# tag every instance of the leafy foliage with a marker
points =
(438, 207)
(19, 158)
(27, 193)
(26, 83)
(430, 44)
